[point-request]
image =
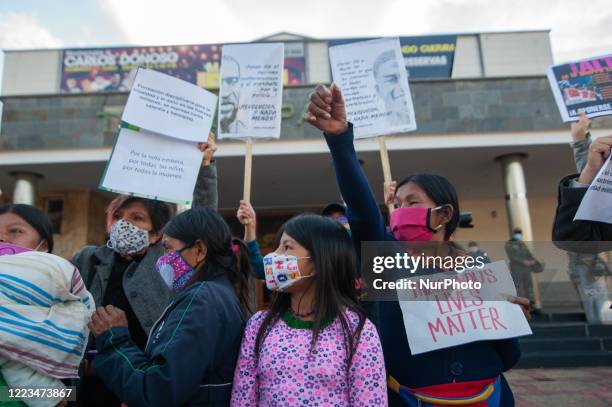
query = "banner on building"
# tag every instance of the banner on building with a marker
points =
(583, 86)
(429, 56)
(113, 69)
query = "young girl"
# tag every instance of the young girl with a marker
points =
(427, 210)
(314, 345)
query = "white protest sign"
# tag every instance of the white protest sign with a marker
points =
(251, 91)
(153, 166)
(374, 83)
(596, 204)
(166, 105)
(437, 318)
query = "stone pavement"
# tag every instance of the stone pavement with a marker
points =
(562, 387)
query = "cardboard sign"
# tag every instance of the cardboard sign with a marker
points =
(437, 318)
(582, 87)
(374, 84)
(251, 91)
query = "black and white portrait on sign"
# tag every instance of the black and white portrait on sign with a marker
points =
(374, 82)
(388, 78)
(251, 91)
(229, 102)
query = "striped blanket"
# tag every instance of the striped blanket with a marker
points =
(44, 310)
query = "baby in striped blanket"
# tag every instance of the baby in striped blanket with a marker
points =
(44, 310)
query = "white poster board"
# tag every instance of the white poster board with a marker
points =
(596, 204)
(156, 155)
(437, 318)
(153, 166)
(374, 83)
(251, 91)
(166, 105)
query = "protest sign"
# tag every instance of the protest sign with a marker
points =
(165, 105)
(596, 204)
(437, 316)
(251, 91)
(156, 155)
(375, 87)
(583, 86)
(153, 166)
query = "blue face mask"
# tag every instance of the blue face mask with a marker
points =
(517, 236)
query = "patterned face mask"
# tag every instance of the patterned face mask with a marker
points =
(281, 271)
(127, 239)
(174, 270)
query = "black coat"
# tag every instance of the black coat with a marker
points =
(191, 354)
(569, 234)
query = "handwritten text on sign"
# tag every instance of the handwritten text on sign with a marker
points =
(441, 318)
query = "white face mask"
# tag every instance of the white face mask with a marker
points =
(127, 239)
(282, 271)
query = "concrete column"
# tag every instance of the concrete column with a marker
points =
(516, 193)
(25, 187)
(517, 206)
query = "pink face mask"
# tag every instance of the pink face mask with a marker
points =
(7, 248)
(412, 224)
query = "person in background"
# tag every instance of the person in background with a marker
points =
(27, 360)
(337, 212)
(122, 273)
(522, 264)
(191, 354)
(246, 216)
(474, 252)
(26, 226)
(572, 189)
(427, 209)
(587, 270)
(314, 345)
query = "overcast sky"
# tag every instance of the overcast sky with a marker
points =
(577, 30)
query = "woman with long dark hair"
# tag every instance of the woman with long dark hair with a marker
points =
(191, 353)
(427, 210)
(314, 345)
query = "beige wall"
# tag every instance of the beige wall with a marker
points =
(491, 219)
(82, 220)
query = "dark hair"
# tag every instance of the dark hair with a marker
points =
(159, 212)
(333, 208)
(440, 190)
(335, 263)
(35, 218)
(208, 226)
